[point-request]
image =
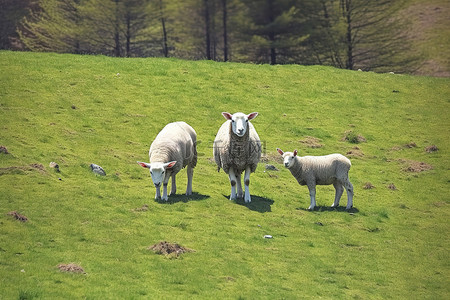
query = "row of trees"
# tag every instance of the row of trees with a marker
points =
(352, 34)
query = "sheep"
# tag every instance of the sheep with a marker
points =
(321, 170)
(236, 149)
(173, 149)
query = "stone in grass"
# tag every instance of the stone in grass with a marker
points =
(97, 170)
(271, 168)
(54, 166)
(3, 150)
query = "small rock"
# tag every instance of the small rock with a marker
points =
(429, 149)
(55, 166)
(98, 170)
(319, 223)
(268, 236)
(271, 168)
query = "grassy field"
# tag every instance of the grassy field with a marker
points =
(78, 110)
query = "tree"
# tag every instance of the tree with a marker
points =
(52, 27)
(274, 27)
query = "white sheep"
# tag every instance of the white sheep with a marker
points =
(321, 170)
(173, 149)
(237, 148)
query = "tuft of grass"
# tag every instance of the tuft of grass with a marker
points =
(391, 245)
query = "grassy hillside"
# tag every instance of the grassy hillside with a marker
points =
(78, 110)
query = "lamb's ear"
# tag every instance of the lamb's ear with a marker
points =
(144, 165)
(295, 152)
(227, 115)
(170, 164)
(252, 115)
(280, 151)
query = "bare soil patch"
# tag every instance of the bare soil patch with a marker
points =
(416, 166)
(431, 149)
(72, 268)
(354, 138)
(169, 249)
(3, 150)
(312, 142)
(368, 186)
(392, 186)
(19, 169)
(17, 216)
(355, 152)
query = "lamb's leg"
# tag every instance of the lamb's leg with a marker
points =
(349, 187)
(190, 174)
(247, 197)
(240, 194)
(232, 176)
(312, 195)
(164, 196)
(173, 189)
(339, 190)
(158, 193)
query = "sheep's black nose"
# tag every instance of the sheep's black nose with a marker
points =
(286, 164)
(157, 185)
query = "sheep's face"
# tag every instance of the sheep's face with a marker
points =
(288, 158)
(158, 171)
(239, 122)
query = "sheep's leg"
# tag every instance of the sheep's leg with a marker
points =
(339, 190)
(240, 194)
(190, 174)
(164, 196)
(247, 197)
(349, 187)
(312, 195)
(232, 176)
(158, 193)
(173, 189)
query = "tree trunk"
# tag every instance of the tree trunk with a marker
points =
(349, 39)
(207, 31)
(225, 34)
(163, 23)
(128, 44)
(116, 32)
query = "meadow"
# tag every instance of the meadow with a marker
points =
(77, 110)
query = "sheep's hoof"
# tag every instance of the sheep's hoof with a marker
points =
(311, 208)
(334, 206)
(348, 207)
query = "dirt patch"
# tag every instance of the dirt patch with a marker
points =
(431, 149)
(20, 169)
(312, 142)
(169, 249)
(355, 152)
(368, 186)
(3, 150)
(354, 138)
(72, 268)
(416, 166)
(143, 208)
(265, 158)
(17, 216)
(392, 187)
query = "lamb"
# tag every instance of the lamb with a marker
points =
(173, 149)
(236, 149)
(321, 170)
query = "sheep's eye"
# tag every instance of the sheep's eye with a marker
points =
(246, 121)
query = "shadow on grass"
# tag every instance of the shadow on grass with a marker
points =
(329, 208)
(183, 198)
(259, 204)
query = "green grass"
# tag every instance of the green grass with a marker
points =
(393, 245)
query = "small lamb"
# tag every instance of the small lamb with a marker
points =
(237, 148)
(321, 170)
(174, 148)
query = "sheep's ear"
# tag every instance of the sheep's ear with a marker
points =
(295, 152)
(252, 115)
(144, 165)
(280, 151)
(227, 116)
(170, 164)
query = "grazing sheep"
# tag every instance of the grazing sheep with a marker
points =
(237, 148)
(321, 170)
(173, 149)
